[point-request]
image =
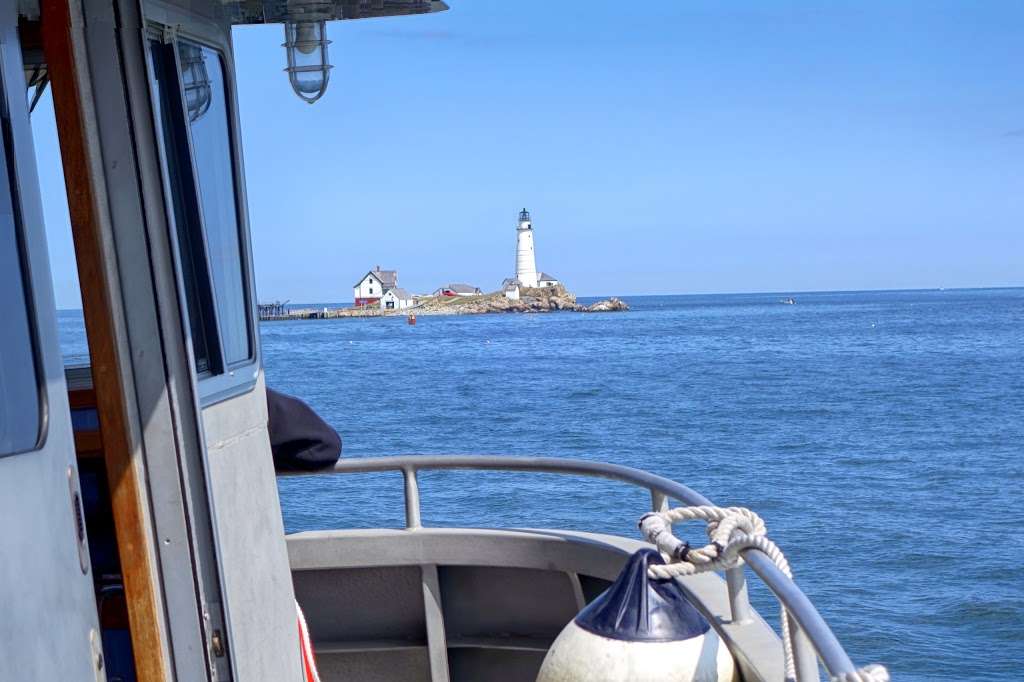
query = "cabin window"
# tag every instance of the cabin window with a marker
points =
(190, 96)
(215, 176)
(191, 251)
(20, 398)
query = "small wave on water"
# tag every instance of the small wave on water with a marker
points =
(583, 394)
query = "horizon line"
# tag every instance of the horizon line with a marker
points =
(776, 292)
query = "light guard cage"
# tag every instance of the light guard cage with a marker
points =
(195, 80)
(305, 30)
(305, 41)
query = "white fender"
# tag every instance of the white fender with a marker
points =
(578, 655)
(639, 630)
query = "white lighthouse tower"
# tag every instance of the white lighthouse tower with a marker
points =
(526, 261)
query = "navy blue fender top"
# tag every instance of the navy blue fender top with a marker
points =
(638, 609)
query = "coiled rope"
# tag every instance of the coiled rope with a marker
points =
(730, 530)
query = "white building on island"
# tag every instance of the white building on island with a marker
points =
(526, 259)
(510, 287)
(457, 289)
(396, 298)
(370, 289)
(546, 280)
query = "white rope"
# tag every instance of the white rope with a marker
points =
(730, 530)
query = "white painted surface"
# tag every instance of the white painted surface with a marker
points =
(369, 287)
(397, 303)
(526, 261)
(578, 655)
(48, 615)
(250, 532)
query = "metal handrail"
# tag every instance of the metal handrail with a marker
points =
(809, 629)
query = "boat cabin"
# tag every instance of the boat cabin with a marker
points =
(142, 534)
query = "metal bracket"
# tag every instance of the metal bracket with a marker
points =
(169, 34)
(96, 649)
(216, 641)
(78, 520)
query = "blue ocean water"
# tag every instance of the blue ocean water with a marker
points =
(880, 434)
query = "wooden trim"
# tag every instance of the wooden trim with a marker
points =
(79, 398)
(63, 44)
(88, 445)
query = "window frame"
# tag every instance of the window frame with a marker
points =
(222, 380)
(190, 205)
(28, 293)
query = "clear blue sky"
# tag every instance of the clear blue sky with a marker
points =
(686, 146)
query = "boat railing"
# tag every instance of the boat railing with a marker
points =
(811, 636)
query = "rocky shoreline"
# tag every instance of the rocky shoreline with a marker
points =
(549, 299)
(545, 300)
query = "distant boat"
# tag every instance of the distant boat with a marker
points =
(788, 301)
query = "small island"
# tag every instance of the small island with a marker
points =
(377, 293)
(546, 300)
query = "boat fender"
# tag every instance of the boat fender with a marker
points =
(639, 629)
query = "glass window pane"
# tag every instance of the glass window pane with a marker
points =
(206, 104)
(179, 177)
(20, 413)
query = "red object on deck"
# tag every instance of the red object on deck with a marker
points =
(309, 671)
(362, 302)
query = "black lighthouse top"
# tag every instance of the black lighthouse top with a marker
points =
(524, 216)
